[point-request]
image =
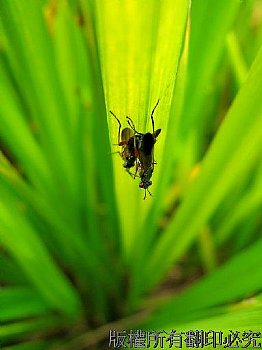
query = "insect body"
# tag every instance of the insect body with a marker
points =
(146, 158)
(127, 141)
(144, 144)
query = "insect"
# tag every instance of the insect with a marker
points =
(144, 147)
(127, 141)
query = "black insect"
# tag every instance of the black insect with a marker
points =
(127, 141)
(144, 148)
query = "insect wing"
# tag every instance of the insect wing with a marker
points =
(126, 134)
(156, 133)
(128, 153)
(147, 144)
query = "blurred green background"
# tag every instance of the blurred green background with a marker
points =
(81, 252)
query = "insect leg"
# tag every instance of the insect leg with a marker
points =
(149, 192)
(137, 166)
(146, 189)
(129, 172)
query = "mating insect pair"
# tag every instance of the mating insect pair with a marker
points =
(138, 149)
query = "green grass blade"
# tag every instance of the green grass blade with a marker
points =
(21, 302)
(235, 147)
(78, 242)
(27, 249)
(166, 171)
(237, 321)
(206, 44)
(249, 203)
(214, 289)
(236, 58)
(14, 331)
(15, 132)
(10, 273)
(147, 55)
(81, 258)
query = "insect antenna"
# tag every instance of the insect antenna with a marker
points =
(120, 126)
(132, 125)
(153, 124)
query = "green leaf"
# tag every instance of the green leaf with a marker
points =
(10, 273)
(248, 319)
(20, 302)
(13, 331)
(73, 223)
(233, 151)
(150, 59)
(214, 289)
(23, 243)
(206, 45)
(249, 203)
